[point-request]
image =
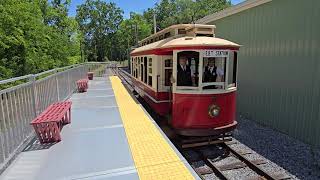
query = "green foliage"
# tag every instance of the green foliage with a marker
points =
(169, 12)
(129, 33)
(99, 22)
(36, 36)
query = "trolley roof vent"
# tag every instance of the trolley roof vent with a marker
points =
(188, 38)
(178, 31)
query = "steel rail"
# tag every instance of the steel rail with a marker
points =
(50, 71)
(243, 162)
(209, 163)
(123, 76)
(15, 79)
(249, 163)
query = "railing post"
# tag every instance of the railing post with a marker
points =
(4, 133)
(32, 79)
(105, 70)
(69, 84)
(79, 71)
(117, 70)
(85, 69)
(57, 85)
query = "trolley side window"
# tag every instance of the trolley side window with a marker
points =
(182, 31)
(232, 74)
(145, 65)
(167, 72)
(141, 70)
(214, 70)
(131, 68)
(137, 68)
(150, 72)
(188, 69)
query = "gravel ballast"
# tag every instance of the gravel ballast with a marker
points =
(292, 155)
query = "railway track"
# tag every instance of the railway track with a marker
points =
(223, 161)
(220, 160)
(122, 74)
(126, 79)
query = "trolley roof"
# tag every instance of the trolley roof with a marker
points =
(176, 30)
(181, 36)
(186, 42)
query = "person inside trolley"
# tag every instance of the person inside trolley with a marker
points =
(184, 75)
(212, 72)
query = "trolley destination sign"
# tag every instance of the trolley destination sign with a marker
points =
(215, 53)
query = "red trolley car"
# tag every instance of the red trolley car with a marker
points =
(188, 75)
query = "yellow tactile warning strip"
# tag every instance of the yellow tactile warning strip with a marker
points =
(153, 156)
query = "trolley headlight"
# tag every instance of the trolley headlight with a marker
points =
(214, 110)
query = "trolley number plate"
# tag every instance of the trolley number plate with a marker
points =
(215, 53)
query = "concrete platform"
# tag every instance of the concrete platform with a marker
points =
(94, 146)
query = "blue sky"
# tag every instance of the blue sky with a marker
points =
(127, 5)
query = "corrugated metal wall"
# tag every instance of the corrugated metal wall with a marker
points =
(279, 65)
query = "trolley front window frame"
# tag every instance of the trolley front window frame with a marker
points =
(194, 68)
(202, 54)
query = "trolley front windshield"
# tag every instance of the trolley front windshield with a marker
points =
(215, 69)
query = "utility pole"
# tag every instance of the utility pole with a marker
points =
(154, 23)
(136, 32)
(82, 60)
(128, 49)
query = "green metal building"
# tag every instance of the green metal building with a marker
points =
(279, 63)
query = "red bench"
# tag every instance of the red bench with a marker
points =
(49, 123)
(90, 75)
(82, 85)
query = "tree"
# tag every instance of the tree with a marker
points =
(206, 7)
(56, 15)
(30, 42)
(169, 12)
(38, 35)
(99, 21)
(130, 31)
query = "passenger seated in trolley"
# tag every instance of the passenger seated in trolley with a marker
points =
(184, 75)
(213, 73)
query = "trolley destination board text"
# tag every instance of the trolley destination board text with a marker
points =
(215, 53)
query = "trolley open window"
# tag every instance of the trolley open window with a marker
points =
(213, 72)
(145, 65)
(215, 69)
(187, 69)
(150, 72)
(167, 72)
(232, 67)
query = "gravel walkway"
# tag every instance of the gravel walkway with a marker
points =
(290, 154)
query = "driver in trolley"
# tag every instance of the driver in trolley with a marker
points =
(212, 72)
(184, 73)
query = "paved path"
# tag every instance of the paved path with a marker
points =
(93, 146)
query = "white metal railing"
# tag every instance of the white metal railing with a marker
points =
(22, 103)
